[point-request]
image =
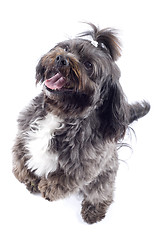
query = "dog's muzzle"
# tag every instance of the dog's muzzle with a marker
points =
(63, 72)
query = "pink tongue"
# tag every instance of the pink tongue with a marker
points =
(55, 82)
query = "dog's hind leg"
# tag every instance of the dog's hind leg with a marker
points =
(98, 196)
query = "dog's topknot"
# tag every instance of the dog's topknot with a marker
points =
(106, 38)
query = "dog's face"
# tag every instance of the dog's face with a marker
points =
(71, 68)
(79, 76)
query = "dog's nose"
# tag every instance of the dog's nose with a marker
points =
(61, 61)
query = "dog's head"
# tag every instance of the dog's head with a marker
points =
(80, 76)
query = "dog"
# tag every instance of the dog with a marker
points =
(68, 136)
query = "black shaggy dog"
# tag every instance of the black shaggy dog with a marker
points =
(68, 135)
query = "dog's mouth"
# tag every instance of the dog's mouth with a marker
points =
(58, 82)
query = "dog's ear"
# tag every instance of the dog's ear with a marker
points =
(40, 70)
(112, 112)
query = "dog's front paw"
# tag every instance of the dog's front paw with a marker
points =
(32, 185)
(47, 189)
(51, 190)
(93, 213)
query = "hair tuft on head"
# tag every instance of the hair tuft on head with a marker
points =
(106, 38)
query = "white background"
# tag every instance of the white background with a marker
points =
(28, 30)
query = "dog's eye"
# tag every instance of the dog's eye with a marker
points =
(66, 48)
(88, 65)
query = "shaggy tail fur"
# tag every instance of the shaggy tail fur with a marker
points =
(138, 110)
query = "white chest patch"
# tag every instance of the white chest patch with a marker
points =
(42, 161)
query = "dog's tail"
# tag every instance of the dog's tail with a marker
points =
(138, 110)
